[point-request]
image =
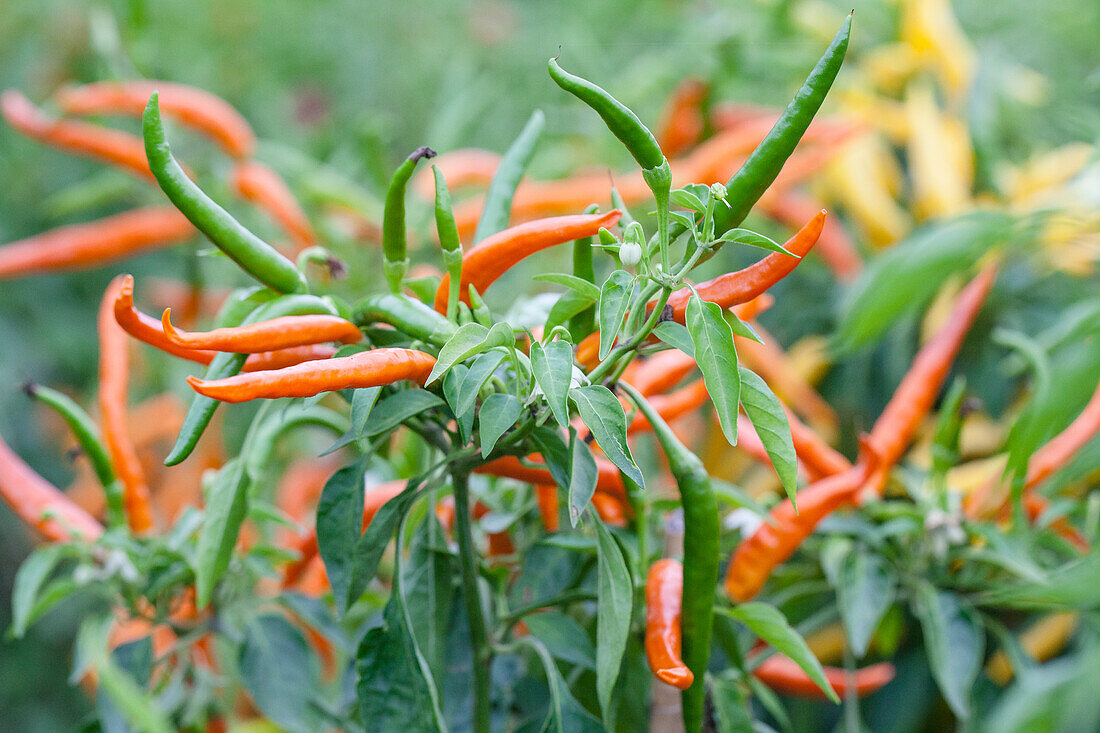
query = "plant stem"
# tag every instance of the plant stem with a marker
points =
(479, 635)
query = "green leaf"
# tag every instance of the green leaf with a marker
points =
(451, 384)
(372, 544)
(28, 581)
(135, 703)
(602, 412)
(226, 508)
(771, 424)
(469, 340)
(91, 644)
(582, 476)
(362, 403)
(755, 239)
(717, 359)
(675, 335)
(614, 299)
(392, 691)
(771, 626)
(576, 284)
(954, 642)
(741, 328)
(552, 366)
(615, 600)
(279, 671)
(1071, 587)
(339, 525)
(908, 274)
(688, 198)
(567, 306)
(480, 371)
(498, 413)
(866, 589)
(399, 407)
(564, 638)
(555, 452)
(731, 706)
(566, 714)
(430, 592)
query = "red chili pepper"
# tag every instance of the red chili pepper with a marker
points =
(683, 121)
(486, 261)
(196, 108)
(271, 335)
(365, 369)
(782, 674)
(784, 529)
(373, 500)
(114, 377)
(95, 243)
(118, 148)
(663, 635)
(917, 391)
(41, 505)
(258, 184)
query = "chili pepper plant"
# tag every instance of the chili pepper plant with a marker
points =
(510, 523)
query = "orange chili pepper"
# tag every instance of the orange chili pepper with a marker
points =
(782, 674)
(271, 335)
(463, 168)
(1058, 451)
(306, 546)
(819, 457)
(118, 148)
(663, 587)
(547, 496)
(784, 529)
(743, 285)
(41, 505)
(95, 243)
(917, 391)
(196, 108)
(609, 509)
(114, 377)
(608, 479)
(499, 542)
(683, 121)
(486, 261)
(834, 246)
(365, 369)
(660, 372)
(258, 184)
(673, 405)
(149, 330)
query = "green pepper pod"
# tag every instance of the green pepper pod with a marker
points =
(256, 257)
(701, 531)
(449, 240)
(226, 364)
(394, 244)
(91, 443)
(406, 314)
(584, 267)
(497, 210)
(622, 122)
(757, 173)
(299, 414)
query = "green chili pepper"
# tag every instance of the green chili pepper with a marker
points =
(497, 210)
(225, 364)
(449, 241)
(622, 122)
(637, 138)
(256, 257)
(294, 416)
(91, 442)
(478, 308)
(394, 243)
(406, 314)
(701, 529)
(759, 171)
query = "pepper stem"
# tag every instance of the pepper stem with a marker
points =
(479, 635)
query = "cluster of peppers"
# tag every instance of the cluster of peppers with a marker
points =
(276, 341)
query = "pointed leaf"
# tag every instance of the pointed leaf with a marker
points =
(552, 366)
(717, 358)
(339, 524)
(771, 424)
(582, 476)
(498, 413)
(615, 598)
(614, 298)
(602, 412)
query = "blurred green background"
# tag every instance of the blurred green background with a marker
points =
(356, 85)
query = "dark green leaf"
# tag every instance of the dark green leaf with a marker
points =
(399, 407)
(771, 424)
(480, 371)
(28, 581)
(602, 412)
(564, 638)
(552, 366)
(865, 591)
(339, 525)
(372, 544)
(954, 642)
(582, 476)
(498, 413)
(746, 236)
(577, 284)
(675, 335)
(614, 299)
(717, 359)
(615, 593)
(277, 669)
(362, 403)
